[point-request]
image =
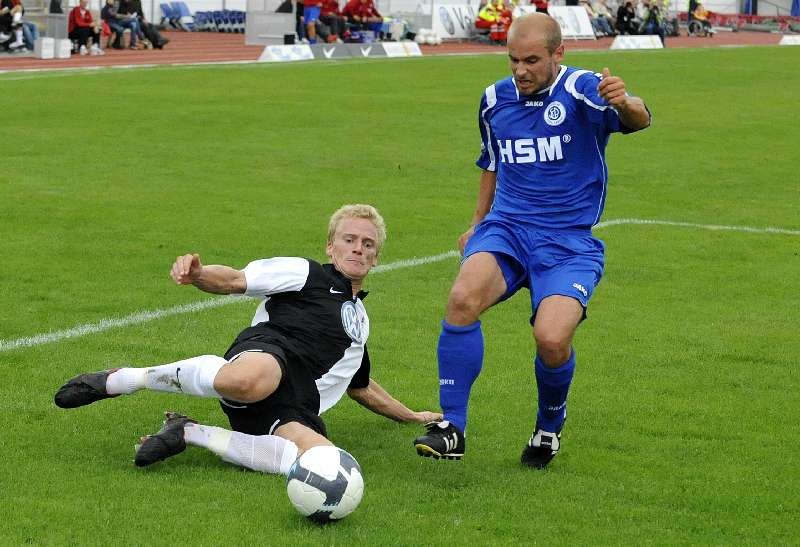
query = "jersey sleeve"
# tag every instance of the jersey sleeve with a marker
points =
(488, 157)
(360, 379)
(275, 275)
(582, 85)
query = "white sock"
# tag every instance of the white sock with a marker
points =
(264, 453)
(125, 381)
(193, 376)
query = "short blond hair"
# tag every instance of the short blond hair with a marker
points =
(358, 210)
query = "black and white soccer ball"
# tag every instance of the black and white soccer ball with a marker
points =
(325, 484)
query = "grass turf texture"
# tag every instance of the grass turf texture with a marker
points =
(681, 425)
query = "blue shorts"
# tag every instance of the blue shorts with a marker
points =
(311, 14)
(559, 262)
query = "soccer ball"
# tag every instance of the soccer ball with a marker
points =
(325, 484)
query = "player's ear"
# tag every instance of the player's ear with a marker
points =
(558, 54)
(329, 250)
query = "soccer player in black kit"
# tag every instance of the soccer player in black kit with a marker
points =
(305, 348)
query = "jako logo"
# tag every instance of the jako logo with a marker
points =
(447, 382)
(524, 150)
(581, 288)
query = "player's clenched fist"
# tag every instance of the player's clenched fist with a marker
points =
(612, 89)
(186, 269)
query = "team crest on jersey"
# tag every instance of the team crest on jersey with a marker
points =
(555, 113)
(353, 322)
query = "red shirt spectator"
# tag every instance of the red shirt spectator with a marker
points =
(79, 17)
(330, 7)
(360, 10)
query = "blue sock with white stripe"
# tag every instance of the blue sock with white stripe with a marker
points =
(553, 386)
(460, 354)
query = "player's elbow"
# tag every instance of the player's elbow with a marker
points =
(358, 394)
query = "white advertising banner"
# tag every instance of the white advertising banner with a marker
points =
(412, 48)
(401, 49)
(647, 41)
(453, 20)
(574, 21)
(279, 54)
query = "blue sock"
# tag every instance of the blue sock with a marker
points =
(553, 386)
(460, 354)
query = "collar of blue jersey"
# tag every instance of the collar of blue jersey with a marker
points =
(522, 97)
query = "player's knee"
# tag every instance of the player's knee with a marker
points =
(553, 350)
(463, 307)
(244, 387)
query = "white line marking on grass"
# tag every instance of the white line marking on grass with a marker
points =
(712, 227)
(39, 73)
(145, 316)
(413, 262)
(106, 324)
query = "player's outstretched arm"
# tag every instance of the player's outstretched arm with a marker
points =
(188, 270)
(632, 111)
(378, 400)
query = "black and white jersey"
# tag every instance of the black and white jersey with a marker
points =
(309, 310)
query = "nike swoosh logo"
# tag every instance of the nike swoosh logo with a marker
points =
(335, 291)
(328, 52)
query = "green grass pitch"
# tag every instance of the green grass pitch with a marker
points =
(683, 415)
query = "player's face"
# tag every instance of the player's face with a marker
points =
(532, 65)
(354, 249)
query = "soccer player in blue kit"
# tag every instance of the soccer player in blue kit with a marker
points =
(543, 183)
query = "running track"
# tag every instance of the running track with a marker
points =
(206, 47)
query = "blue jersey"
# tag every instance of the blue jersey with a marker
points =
(548, 150)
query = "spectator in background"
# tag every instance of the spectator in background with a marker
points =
(541, 5)
(82, 27)
(55, 6)
(690, 12)
(599, 24)
(299, 27)
(311, 11)
(653, 23)
(11, 24)
(126, 8)
(602, 9)
(30, 32)
(364, 14)
(641, 8)
(702, 16)
(495, 17)
(118, 23)
(148, 29)
(332, 16)
(625, 19)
